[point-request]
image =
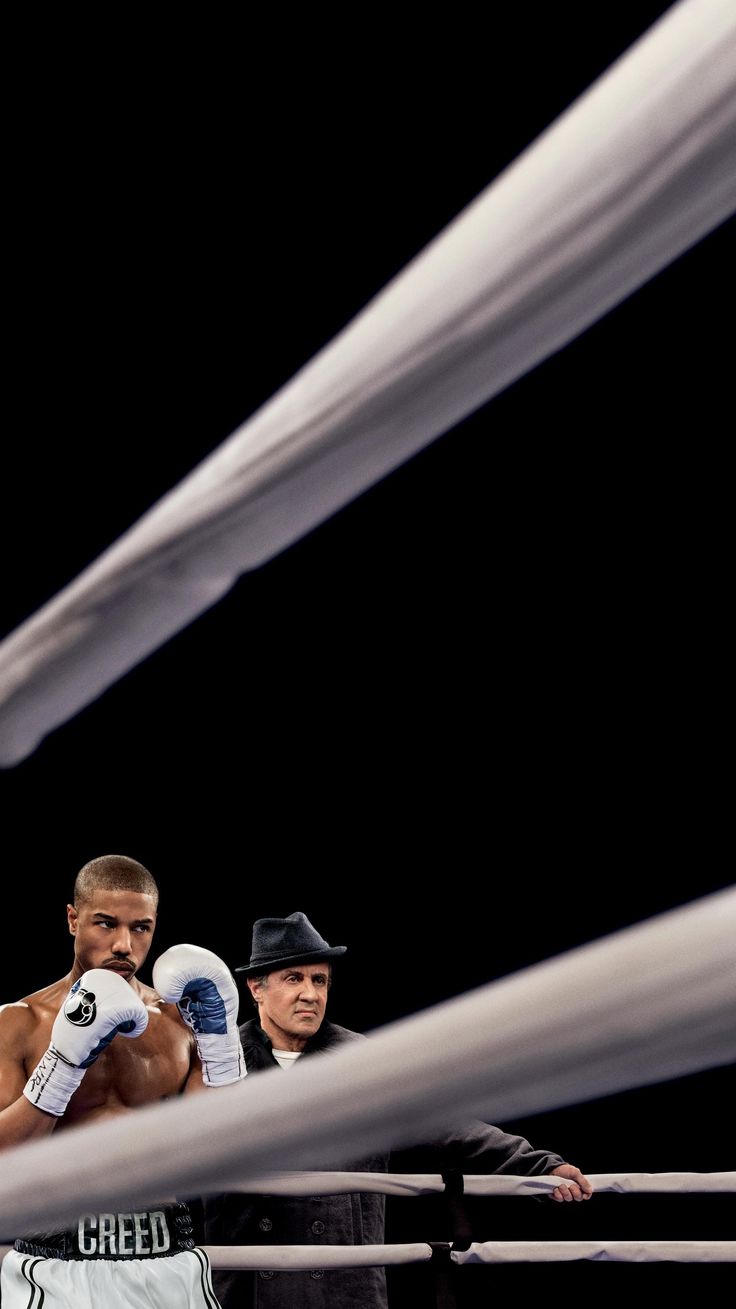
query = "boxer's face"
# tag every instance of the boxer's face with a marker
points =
(113, 930)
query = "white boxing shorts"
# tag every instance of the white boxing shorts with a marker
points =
(143, 1260)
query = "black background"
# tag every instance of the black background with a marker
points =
(477, 717)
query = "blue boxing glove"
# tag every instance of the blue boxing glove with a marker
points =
(98, 1007)
(206, 995)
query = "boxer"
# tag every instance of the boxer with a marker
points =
(99, 1042)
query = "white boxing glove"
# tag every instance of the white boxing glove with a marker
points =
(206, 995)
(99, 1005)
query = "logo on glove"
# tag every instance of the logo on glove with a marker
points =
(80, 1009)
(202, 1007)
(189, 1015)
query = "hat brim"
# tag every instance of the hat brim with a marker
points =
(273, 965)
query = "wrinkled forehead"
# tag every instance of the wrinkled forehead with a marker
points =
(320, 969)
(128, 905)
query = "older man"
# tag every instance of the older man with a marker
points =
(289, 977)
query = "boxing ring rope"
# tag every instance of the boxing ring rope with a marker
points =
(683, 1252)
(474, 1184)
(302, 1258)
(639, 169)
(643, 1005)
(479, 1184)
(293, 1258)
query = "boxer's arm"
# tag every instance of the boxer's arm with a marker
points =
(22, 1122)
(19, 1120)
(195, 1082)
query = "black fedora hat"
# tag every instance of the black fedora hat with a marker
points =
(278, 942)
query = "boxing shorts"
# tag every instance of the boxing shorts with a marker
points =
(133, 1260)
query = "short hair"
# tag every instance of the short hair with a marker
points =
(113, 872)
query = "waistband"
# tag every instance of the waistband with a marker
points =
(138, 1234)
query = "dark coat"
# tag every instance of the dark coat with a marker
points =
(278, 1220)
(238, 1219)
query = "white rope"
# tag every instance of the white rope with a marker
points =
(475, 1184)
(637, 171)
(655, 1001)
(637, 1252)
(661, 1183)
(301, 1258)
(341, 1183)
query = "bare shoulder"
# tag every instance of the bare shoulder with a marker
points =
(16, 1020)
(21, 1019)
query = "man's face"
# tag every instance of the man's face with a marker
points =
(112, 930)
(291, 1003)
